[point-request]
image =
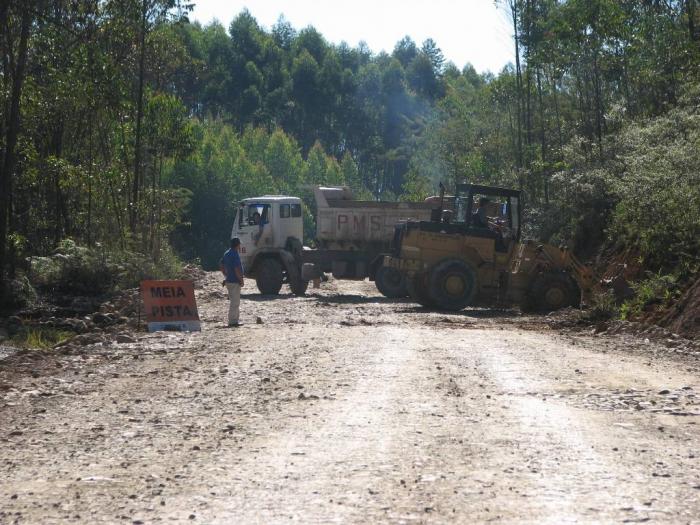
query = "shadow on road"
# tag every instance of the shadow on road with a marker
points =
(355, 299)
(265, 298)
(481, 313)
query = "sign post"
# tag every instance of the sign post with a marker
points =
(170, 305)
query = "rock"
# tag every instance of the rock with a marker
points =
(100, 319)
(86, 339)
(600, 328)
(258, 320)
(125, 338)
(77, 325)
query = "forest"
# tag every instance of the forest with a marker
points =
(128, 131)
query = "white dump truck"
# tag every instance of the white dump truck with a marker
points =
(351, 237)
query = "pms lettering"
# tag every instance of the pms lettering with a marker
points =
(359, 223)
(167, 291)
(177, 310)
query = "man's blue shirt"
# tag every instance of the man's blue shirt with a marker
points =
(231, 260)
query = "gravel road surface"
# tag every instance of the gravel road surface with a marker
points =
(346, 407)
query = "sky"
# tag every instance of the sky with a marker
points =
(467, 31)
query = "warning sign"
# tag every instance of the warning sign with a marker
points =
(170, 305)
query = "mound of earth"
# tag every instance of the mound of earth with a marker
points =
(684, 317)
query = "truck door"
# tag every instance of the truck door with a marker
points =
(252, 220)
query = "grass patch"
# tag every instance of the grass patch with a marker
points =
(603, 308)
(42, 338)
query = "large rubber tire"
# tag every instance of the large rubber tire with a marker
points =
(417, 288)
(268, 276)
(390, 282)
(552, 291)
(298, 286)
(453, 284)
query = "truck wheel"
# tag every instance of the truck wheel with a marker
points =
(390, 282)
(453, 284)
(268, 276)
(298, 286)
(418, 290)
(552, 291)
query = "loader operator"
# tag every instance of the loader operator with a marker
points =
(479, 218)
(264, 231)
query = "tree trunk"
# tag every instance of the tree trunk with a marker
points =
(690, 11)
(543, 137)
(133, 205)
(13, 128)
(89, 183)
(513, 4)
(560, 137)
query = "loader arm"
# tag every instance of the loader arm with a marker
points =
(564, 259)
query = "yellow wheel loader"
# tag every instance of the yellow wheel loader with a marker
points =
(472, 255)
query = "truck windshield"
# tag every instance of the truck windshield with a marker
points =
(254, 214)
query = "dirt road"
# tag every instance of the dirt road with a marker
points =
(346, 407)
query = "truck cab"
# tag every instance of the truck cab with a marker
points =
(265, 224)
(271, 232)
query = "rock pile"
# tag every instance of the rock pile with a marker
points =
(113, 321)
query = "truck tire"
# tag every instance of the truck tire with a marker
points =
(268, 276)
(453, 284)
(390, 282)
(298, 286)
(552, 291)
(418, 290)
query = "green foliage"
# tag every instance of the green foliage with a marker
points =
(655, 291)
(19, 293)
(603, 308)
(78, 270)
(659, 188)
(416, 188)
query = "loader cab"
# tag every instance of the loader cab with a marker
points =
(490, 210)
(265, 223)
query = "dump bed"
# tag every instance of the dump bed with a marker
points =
(341, 219)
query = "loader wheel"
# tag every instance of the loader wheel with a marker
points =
(552, 291)
(268, 277)
(453, 284)
(417, 288)
(390, 282)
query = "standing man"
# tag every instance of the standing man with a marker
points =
(230, 265)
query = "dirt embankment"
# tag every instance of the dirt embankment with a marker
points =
(684, 316)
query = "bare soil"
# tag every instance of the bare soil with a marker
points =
(344, 406)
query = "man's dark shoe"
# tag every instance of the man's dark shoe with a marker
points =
(235, 325)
